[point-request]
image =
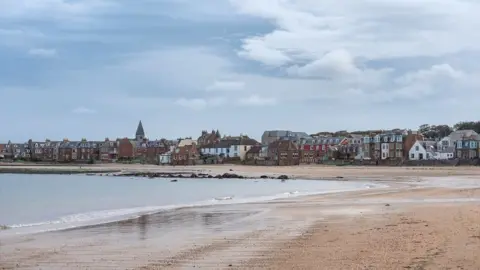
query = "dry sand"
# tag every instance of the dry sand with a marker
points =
(410, 225)
(303, 171)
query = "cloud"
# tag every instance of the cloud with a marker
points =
(83, 110)
(225, 86)
(373, 29)
(42, 52)
(375, 64)
(255, 100)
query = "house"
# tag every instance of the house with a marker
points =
(467, 144)
(109, 151)
(140, 149)
(17, 151)
(422, 150)
(165, 158)
(126, 148)
(309, 150)
(68, 151)
(394, 144)
(185, 155)
(270, 136)
(88, 150)
(208, 138)
(154, 150)
(284, 152)
(253, 153)
(240, 146)
(44, 151)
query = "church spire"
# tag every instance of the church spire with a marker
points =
(140, 134)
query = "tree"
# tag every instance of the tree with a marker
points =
(474, 125)
(435, 132)
(217, 134)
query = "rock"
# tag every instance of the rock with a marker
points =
(218, 176)
(283, 177)
(193, 176)
(263, 177)
(231, 170)
(210, 176)
(387, 204)
(340, 177)
(174, 180)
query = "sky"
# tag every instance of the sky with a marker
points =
(94, 68)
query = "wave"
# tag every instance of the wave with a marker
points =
(107, 216)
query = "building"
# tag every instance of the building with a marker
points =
(422, 150)
(284, 153)
(68, 151)
(126, 148)
(467, 144)
(394, 144)
(109, 151)
(270, 136)
(253, 153)
(154, 150)
(208, 138)
(185, 155)
(140, 133)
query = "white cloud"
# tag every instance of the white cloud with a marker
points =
(225, 86)
(42, 52)
(371, 29)
(83, 110)
(255, 100)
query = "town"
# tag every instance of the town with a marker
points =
(277, 148)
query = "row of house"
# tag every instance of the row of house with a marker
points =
(278, 147)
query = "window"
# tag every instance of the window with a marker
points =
(417, 148)
(245, 148)
(235, 148)
(412, 155)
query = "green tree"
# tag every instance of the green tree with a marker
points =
(217, 134)
(474, 125)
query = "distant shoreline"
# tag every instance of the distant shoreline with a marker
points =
(10, 170)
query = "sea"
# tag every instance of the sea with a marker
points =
(38, 203)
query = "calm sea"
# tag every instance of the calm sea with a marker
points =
(33, 203)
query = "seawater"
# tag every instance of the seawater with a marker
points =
(34, 203)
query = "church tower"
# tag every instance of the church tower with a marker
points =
(140, 134)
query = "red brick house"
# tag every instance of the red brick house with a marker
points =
(154, 149)
(108, 151)
(208, 138)
(126, 149)
(185, 155)
(284, 152)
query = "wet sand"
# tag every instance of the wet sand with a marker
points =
(414, 224)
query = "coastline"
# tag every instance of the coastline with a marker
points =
(423, 218)
(305, 172)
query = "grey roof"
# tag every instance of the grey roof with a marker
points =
(140, 131)
(286, 133)
(460, 134)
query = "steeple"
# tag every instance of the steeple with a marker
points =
(140, 134)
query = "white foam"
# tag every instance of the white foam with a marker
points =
(113, 215)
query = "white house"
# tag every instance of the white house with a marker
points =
(230, 148)
(422, 150)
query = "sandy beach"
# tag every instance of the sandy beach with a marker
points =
(428, 218)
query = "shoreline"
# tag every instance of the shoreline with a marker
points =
(304, 172)
(421, 218)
